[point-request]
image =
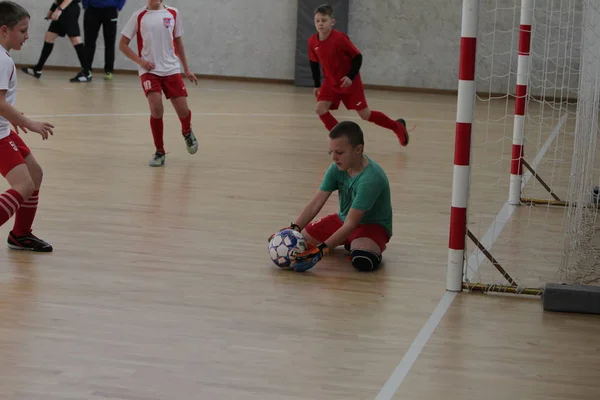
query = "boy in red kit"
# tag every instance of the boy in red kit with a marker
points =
(341, 61)
(160, 48)
(17, 164)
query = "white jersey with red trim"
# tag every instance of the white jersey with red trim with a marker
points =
(8, 82)
(156, 31)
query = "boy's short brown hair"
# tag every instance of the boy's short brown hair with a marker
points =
(351, 130)
(325, 9)
(11, 14)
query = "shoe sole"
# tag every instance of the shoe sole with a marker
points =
(403, 122)
(13, 247)
(193, 150)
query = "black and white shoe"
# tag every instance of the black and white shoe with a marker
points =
(157, 160)
(191, 142)
(28, 242)
(81, 77)
(32, 71)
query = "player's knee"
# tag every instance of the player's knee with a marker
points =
(156, 110)
(364, 260)
(25, 188)
(50, 37)
(365, 113)
(37, 175)
(321, 109)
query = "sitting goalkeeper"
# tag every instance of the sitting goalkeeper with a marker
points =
(364, 223)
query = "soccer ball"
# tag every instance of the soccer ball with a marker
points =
(285, 247)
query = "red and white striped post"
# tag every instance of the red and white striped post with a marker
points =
(465, 109)
(516, 164)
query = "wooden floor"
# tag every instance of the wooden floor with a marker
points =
(160, 286)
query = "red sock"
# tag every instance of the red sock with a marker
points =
(329, 120)
(26, 214)
(10, 201)
(384, 121)
(186, 123)
(156, 124)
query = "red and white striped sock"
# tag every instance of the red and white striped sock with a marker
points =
(10, 201)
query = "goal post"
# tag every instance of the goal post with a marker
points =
(516, 165)
(526, 159)
(462, 153)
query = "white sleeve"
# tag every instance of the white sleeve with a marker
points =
(178, 32)
(131, 28)
(6, 71)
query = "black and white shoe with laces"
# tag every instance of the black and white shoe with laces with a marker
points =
(81, 77)
(28, 242)
(191, 142)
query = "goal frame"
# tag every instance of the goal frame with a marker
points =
(465, 110)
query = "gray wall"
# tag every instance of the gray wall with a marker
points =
(411, 43)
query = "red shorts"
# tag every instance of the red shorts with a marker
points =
(323, 228)
(171, 85)
(353, 97)
(13, 151)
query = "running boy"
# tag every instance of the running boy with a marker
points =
(64, 15)
(17, 164)
(159, 33)
(364, 221)
(341, 61)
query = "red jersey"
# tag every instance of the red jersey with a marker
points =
(334, 54)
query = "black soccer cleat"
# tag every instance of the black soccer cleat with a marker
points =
(405, 143)
(81, 77)
(32, 71)
(28, 242)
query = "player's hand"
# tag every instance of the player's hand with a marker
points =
(292, 226)
(309, 258)
(147, 65)
(49, 15)
(43, 128)
(56, 15)
(190, 75)
(316, 91)
(346, 82)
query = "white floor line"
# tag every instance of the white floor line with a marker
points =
(390, 388)
(127, 86)
(216, 114)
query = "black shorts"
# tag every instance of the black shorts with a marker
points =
(68, 22)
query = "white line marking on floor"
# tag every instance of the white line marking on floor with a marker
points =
(390, 388)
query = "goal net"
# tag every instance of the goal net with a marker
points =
(526, 153)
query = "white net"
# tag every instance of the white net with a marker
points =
(581, 256)
(537, 242)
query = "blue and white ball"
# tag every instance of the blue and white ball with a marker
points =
(285, 247)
